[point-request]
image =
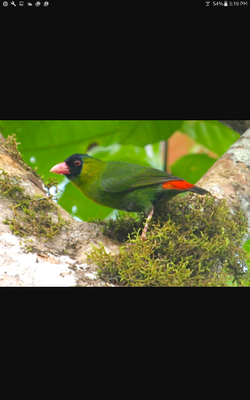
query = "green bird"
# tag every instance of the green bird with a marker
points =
(121, 185)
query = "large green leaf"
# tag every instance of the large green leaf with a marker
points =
(125, 153)
(211, 134)
(192, 167)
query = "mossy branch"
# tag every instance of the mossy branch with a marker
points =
(192, 241)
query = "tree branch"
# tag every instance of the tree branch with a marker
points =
(239, 126)
(229, 177)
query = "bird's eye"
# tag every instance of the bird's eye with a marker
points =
(77, 162)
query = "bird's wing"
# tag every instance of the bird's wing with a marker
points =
(123, 177)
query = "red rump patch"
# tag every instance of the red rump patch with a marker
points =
(177, 185)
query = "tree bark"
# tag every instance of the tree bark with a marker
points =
(239, 126)
(229, 177)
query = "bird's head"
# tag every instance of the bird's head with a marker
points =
(72, 166)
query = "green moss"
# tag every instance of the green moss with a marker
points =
(48, 183)
(124, 224)
(191, 241)
(38, 216)
(10, 145)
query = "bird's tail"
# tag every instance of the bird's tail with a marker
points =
(183, 185)
(196, 189)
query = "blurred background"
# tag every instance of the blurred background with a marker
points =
(184, 148)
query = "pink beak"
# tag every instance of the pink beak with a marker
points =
(62, 169)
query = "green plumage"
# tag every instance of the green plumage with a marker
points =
(121, 185)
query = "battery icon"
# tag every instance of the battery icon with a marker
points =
(225, 3)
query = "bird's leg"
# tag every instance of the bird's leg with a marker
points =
(143, 235)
